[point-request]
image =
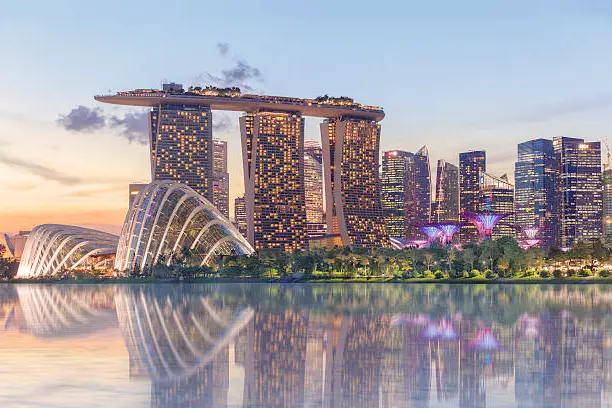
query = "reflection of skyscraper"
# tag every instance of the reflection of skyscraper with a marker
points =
(220, 177)
(313, 181)
(273, 157)
(471, 164)
(497, 196)
(397, 190)
(275, 366)
(534, 177)
(240, 214)
(182, 146)
(579, 190)
(350, 156)
(447, 192)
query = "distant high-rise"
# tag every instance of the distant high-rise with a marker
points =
(313, 181)
(471, 164)
(447, 192)
(273, 163)
(353, 205)
(182, 146)
(220, 177)
(497, 196)
(422, 189)
(397, 191)
(534, 189)
(134, 189)
(607, 202)
(240, 215)
(579, 190)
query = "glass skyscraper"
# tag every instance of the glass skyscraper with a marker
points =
(607, 202)
(534, 189)
(397, 191)
(579, 190)
(497, 196)
(447, 192)
(240, 215)
(313, 181)
(471, 164)
(273, 163)
(220, 177)
(422, 189)
(182, 146)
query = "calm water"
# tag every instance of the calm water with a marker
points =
(306, 346)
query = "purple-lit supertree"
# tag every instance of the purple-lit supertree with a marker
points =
(431, 231)
(530, 237)
(485, 222)
(417, 243)
(448, 230)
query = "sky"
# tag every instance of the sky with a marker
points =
(451, 75)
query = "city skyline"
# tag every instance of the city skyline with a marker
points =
(77, 172)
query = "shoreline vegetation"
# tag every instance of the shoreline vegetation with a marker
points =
(500, 261)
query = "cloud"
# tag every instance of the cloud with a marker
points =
(223, 48)
(44, 172)
(82, 119)
(222, 122)
(133, 126)
(240, 73)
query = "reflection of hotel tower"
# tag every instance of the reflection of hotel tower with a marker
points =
(273, 157)
(562, 366)
(274, 360)
(352, 185)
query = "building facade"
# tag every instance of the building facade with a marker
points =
(353, 202)
(447, 192)
(220, 177)
(579, 190)
(273, 164)
(422, 190)
(313, 181)
(497, 196)
(240, 215)
(607, 202)
(397, 191)
(182, 146)
(471, 164)
(535, 198)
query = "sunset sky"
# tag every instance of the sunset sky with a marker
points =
(452, 75)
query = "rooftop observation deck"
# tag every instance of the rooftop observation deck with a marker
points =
(322, 107)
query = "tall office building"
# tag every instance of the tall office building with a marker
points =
(422, 189)
(134, 189)
(447, 192)
(397, 190)
(352, 183)
(607, 202)
(240, 215)
(579, 190)
(497, 196)
(471, 164)
(220, 177)
(534, 189)
(313, 181)
(273, 164)
(182, 146)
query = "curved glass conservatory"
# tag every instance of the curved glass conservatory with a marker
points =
(169, 220)
(53, 248)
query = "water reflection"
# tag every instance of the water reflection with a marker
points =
(341, 345)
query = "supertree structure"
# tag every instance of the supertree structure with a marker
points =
(530, 237)
(448, 230)
(431, 231)
(485, 222)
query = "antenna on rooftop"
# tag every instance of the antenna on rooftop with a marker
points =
(607, 164)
